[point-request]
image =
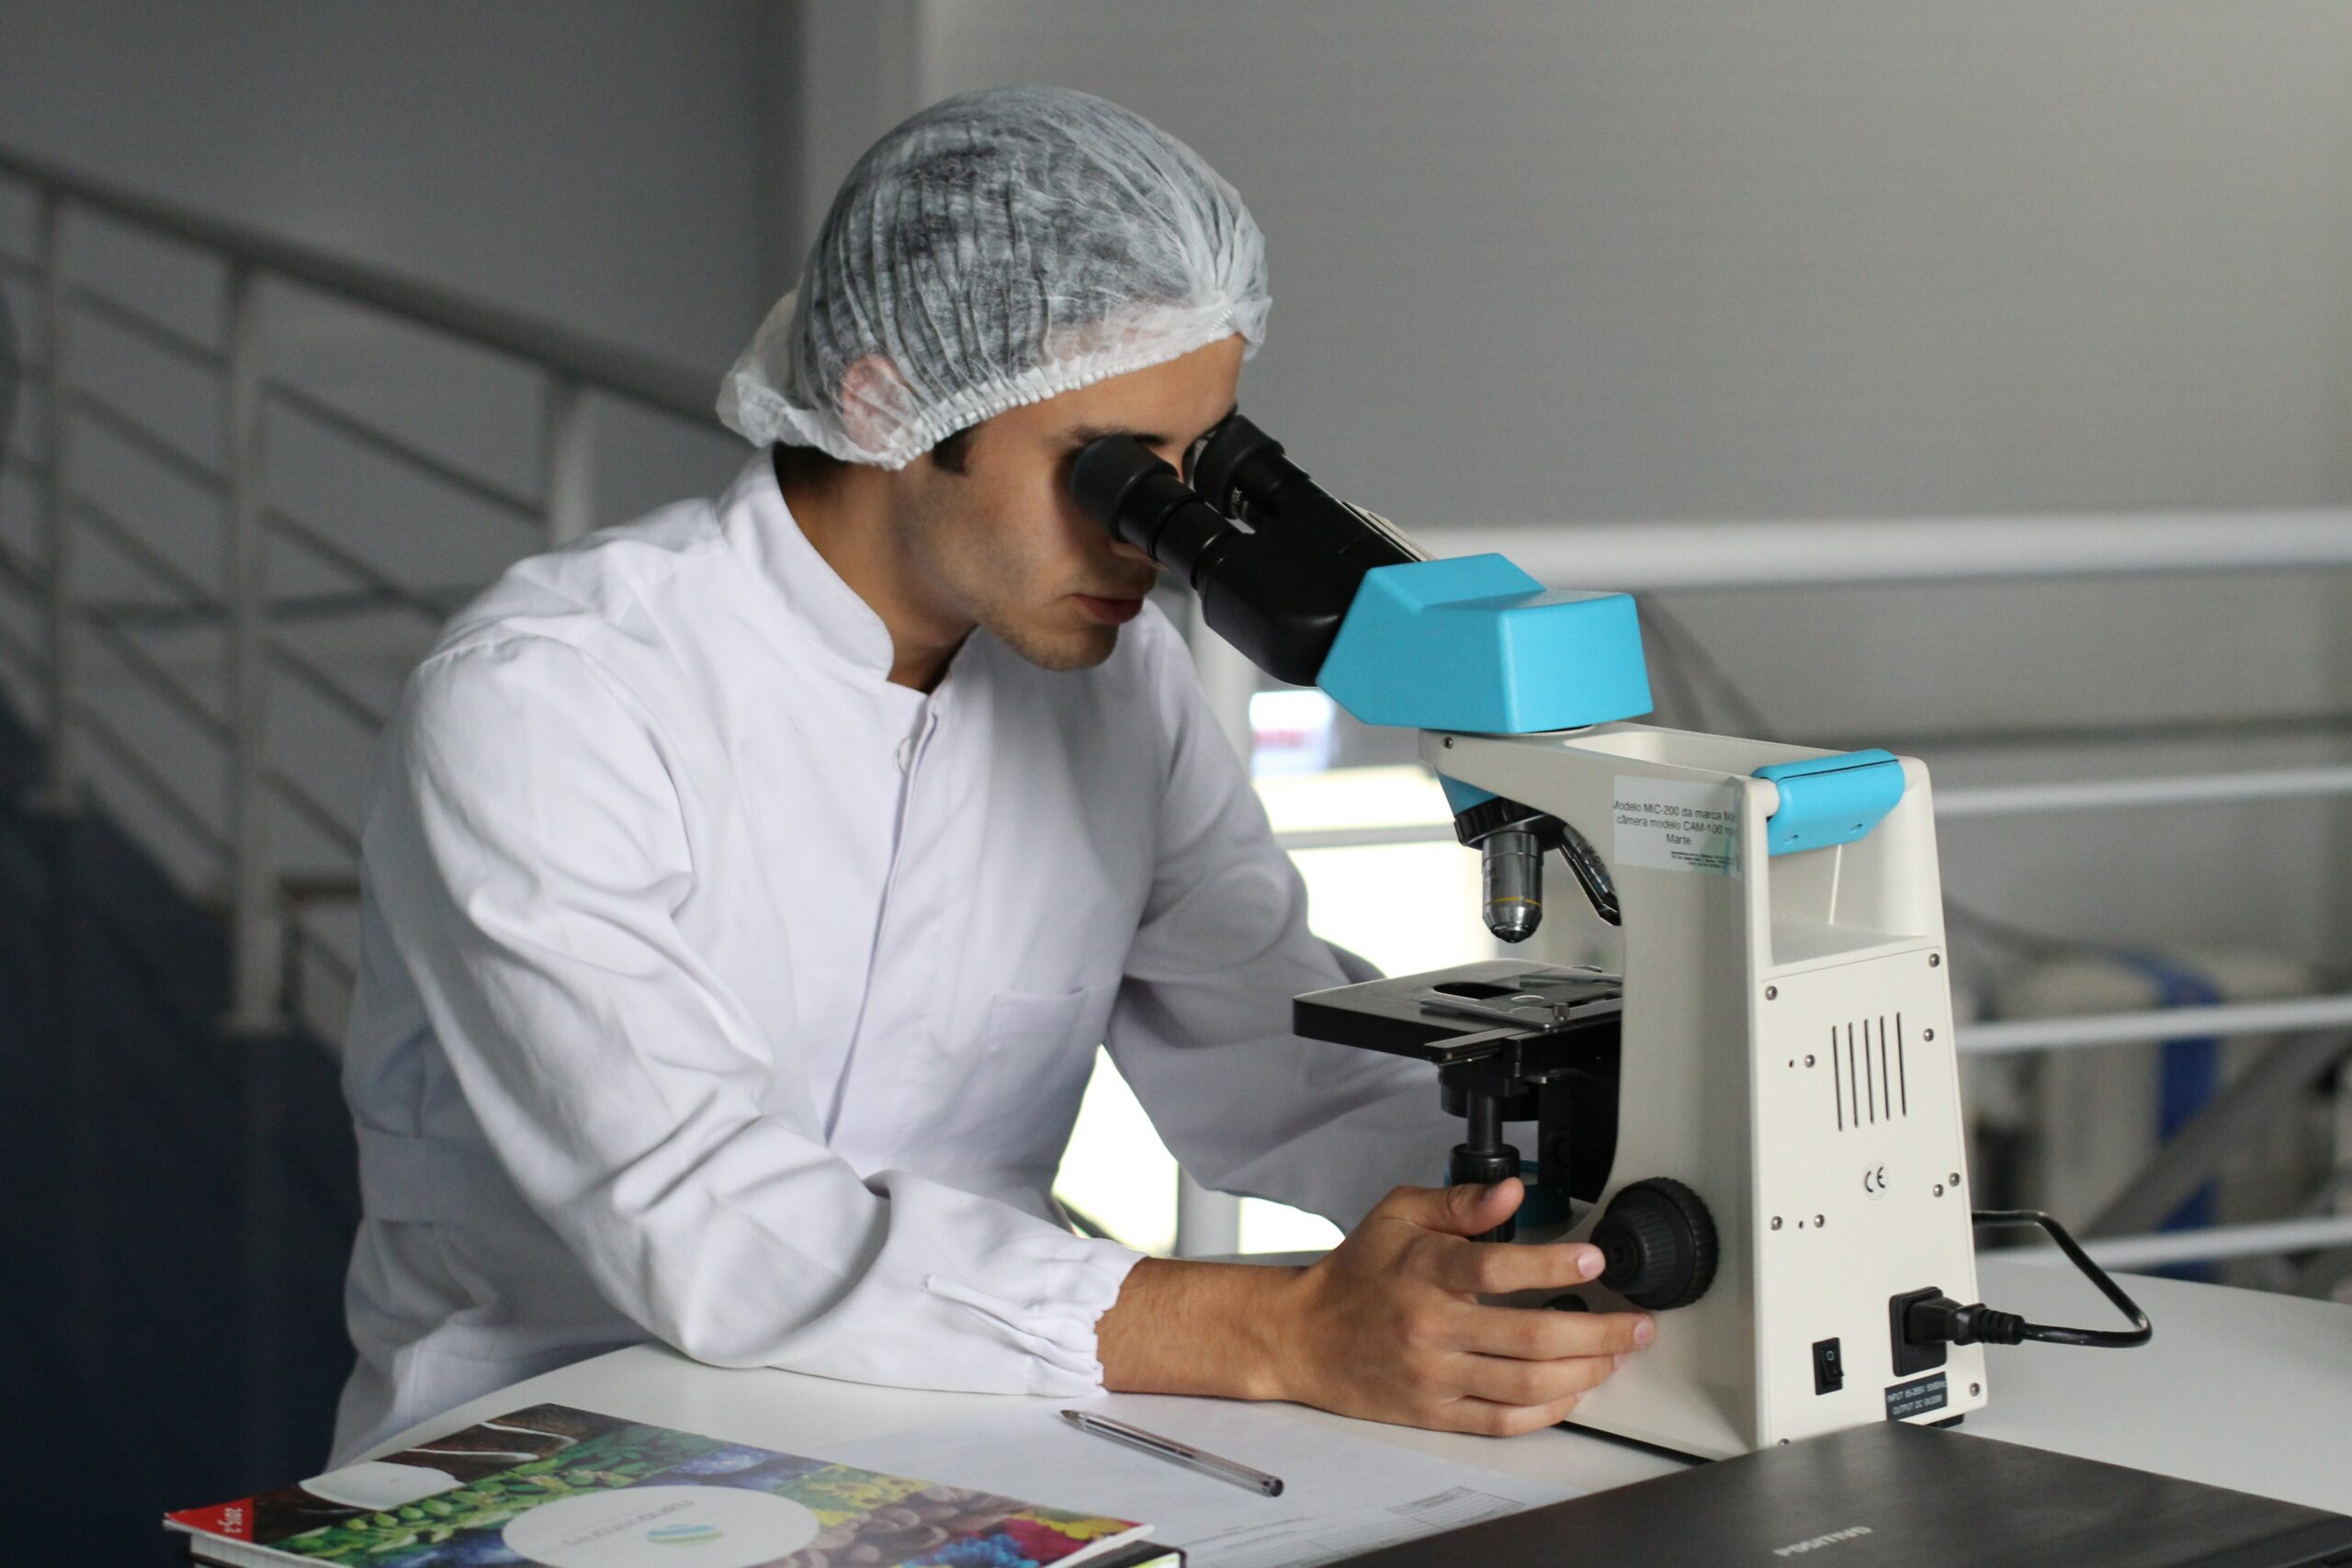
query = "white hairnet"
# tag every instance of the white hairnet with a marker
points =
(996, 249)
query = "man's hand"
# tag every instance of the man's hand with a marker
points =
(1388, 1327)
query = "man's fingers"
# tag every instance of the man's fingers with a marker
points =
(1490, 1419)
(1508, 1381)
(1538, 1334)
(1464, 1211)
(1485, 1269)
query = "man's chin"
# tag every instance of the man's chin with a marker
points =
(1060, 649)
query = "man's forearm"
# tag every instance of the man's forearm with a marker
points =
(1203, 1328)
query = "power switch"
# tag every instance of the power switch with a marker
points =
(1828, 1367)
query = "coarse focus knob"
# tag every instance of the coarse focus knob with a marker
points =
(1659, 1243)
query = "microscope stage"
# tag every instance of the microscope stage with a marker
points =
(1462, 1014)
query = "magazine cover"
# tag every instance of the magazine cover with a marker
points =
(573, 1489)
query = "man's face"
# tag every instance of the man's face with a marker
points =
(1003, 546)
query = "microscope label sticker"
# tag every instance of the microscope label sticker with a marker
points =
(1674, 825)
(1906, 1400)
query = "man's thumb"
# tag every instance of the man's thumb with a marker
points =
(1470, 1210)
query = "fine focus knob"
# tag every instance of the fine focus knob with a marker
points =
(1658, 1243)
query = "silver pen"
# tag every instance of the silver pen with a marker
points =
(1181, 1453)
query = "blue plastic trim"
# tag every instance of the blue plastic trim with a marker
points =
(1830, 800)
(1461, 796)
(1474, 644)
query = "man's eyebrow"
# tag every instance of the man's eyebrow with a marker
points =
(1087, 433)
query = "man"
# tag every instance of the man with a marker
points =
(747, 888)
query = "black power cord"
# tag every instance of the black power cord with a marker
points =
(1939, 1318)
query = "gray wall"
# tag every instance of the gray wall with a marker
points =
(604, 165)
(1847, 258)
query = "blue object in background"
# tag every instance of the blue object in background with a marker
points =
(1830, 800)
(1476, 644)
(2190, 1075)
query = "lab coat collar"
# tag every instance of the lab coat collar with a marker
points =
(822, 608)
(760, 527)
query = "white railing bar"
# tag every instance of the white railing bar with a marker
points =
(91, 722)
(2100, 794)
(317, 811)
(1762, 554)
(162, 682)
(25, 653)
(157, 564)
(126, 427)
(306, 888)
(256, 936)
(352, 427)
(17, 572)
(1357, 837)
(341, 559)
(140, 326)
(318, 946)
(61, 787)
(568, 462)
(355, 707)
(2252, 1240)
(686, 391)
(2295, 1015)
(1967, 804)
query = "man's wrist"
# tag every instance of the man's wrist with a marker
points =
(1226, 1329)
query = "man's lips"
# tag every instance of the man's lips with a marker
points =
(1110, 612)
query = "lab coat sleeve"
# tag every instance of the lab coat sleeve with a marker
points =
(529, 849)
(1202, 1028)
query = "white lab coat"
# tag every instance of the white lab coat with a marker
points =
(715, 990)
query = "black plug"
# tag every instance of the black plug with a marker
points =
(1939, 1319)
(1922, 1322)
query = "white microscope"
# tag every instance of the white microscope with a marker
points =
(1758, 1121)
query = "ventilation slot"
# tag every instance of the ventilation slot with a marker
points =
(1870, 1071)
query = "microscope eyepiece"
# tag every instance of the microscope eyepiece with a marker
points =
(1275, 587)
(1139, 500)
(1244, 473)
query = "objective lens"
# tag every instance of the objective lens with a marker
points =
(1514, 879)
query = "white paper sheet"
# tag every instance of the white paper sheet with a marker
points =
(1342, 1494)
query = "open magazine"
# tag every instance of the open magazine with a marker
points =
(574, 1489)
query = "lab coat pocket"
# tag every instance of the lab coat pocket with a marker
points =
(1039, 1015)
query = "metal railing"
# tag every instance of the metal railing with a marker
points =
(574, 372)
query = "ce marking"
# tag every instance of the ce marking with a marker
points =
(1874, 1181)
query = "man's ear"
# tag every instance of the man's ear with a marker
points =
(875, 402)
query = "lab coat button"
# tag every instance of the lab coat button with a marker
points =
(905, 754)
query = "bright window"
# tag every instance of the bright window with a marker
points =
(1402, 906)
